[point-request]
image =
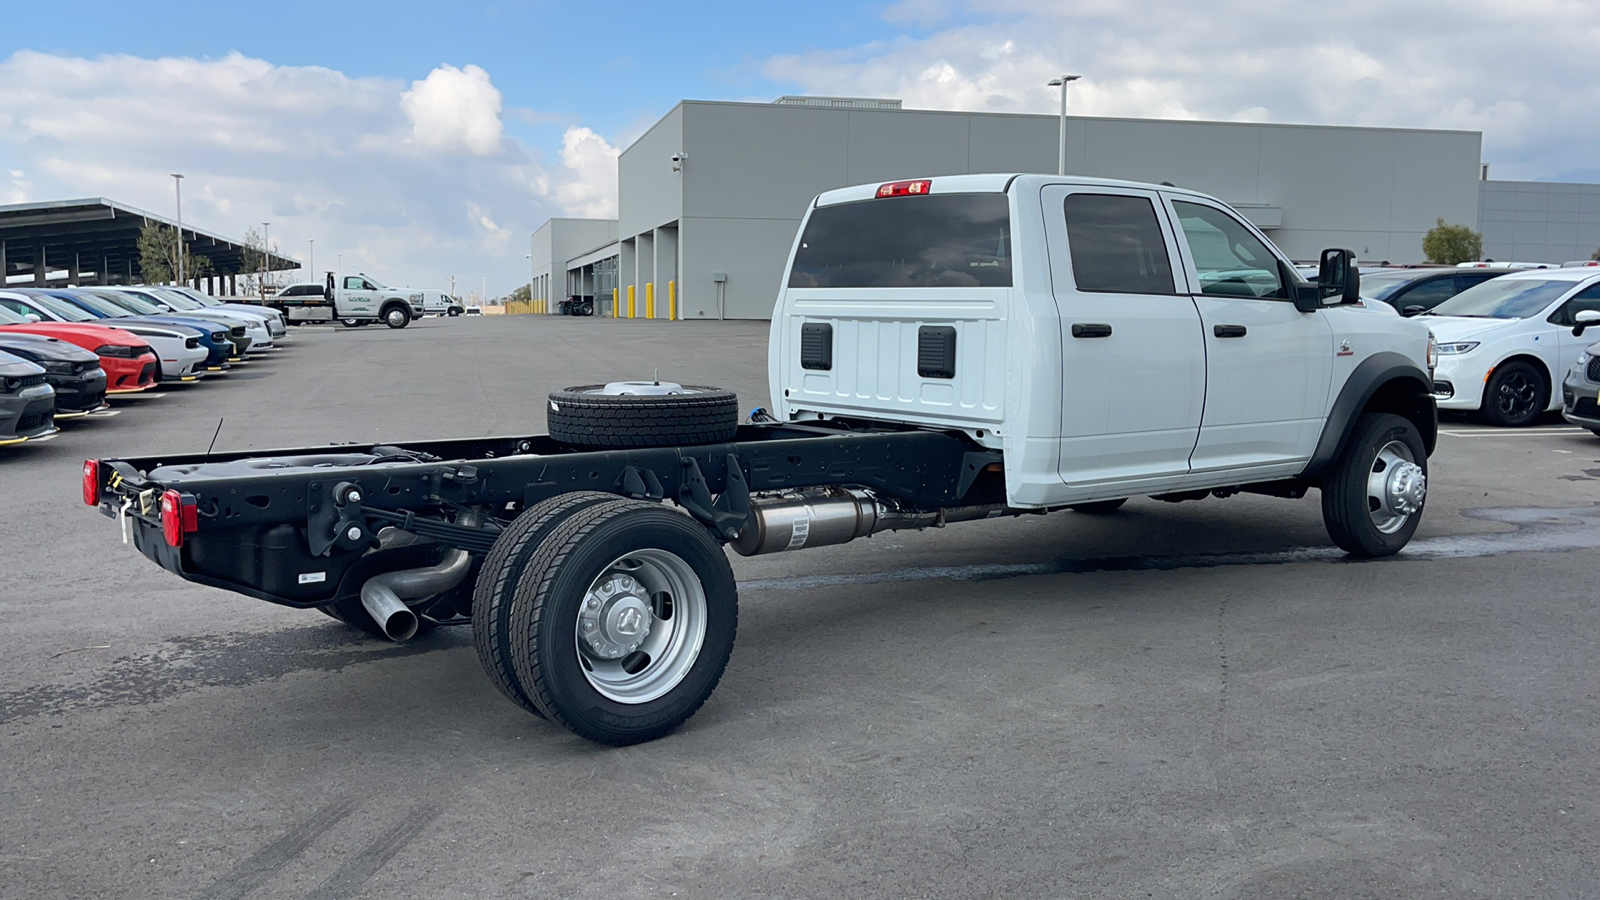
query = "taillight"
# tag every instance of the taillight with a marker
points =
(179, 516)
(91, 482)
(904, 188)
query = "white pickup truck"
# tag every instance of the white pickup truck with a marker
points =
(942, 350)
(351, 299)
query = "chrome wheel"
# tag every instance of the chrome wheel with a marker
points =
(641, 626)
(1396, 487)
(396, 318)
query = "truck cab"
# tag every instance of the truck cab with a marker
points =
(1112, 339)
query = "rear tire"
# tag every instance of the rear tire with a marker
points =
(1098, 507)
(1371, 502)
(1516, 395)
(623, 621)
(493, 595)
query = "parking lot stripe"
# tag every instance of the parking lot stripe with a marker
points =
(1513, 432)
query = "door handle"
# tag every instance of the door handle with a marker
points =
(1090, 330)
(1227, 331)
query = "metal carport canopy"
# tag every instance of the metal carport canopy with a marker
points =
(102, 236)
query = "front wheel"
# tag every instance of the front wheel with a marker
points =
(397, 317)
(1372, 500)
(455, 311)
(623, 621)
(1516, 395)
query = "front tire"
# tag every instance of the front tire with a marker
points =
(1516, 395)
(1372, 500)
(397, 316)
(623, 621)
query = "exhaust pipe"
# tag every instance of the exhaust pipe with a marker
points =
(384, 596)
(820, 517)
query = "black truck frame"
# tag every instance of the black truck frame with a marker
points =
(467, 521)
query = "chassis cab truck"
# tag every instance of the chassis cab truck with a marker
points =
(942, 350)
(353, 300)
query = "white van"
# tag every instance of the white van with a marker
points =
(439, 303)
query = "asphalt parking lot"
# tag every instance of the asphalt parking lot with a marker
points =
(1180, 700)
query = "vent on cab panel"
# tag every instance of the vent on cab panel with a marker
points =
(816, 346)
(936, 351)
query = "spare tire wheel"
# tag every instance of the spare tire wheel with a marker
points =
(642, 414)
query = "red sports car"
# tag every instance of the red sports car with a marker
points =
(128, 359)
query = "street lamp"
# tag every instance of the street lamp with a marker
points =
(177, 186)
(1062, 82)
(311, 259)
(266, 254)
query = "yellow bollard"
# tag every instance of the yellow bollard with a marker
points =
(630, 301)
(615, 309)
(672, 301)
(650, 300)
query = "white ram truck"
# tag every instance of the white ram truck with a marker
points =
(942, 350)
(351, 299)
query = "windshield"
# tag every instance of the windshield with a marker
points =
(131, 302)
(101, 305)
(59, 308)
(1380, 287)
(176, 299)
(7, 317)
(376, 284)
(1505, 298)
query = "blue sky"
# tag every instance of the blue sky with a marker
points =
(424, 140)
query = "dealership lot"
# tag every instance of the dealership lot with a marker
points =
(1179, 700)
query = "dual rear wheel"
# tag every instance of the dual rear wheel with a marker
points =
(613, 617)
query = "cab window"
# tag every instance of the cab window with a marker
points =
(1116, 245)
(1230, 260)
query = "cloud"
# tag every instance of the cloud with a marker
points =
(410, 181)
(591, 189)
(455, 109)
(1526, 75)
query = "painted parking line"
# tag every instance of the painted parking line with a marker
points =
(1515, 432)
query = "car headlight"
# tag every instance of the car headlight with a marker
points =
(119, 351)
(1457, 348)
(57, 367)
(1583, 360)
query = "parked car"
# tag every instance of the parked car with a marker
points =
(184, 346)
(1505, 344)
(273, 318)
(129, 360)
(255, 328)
(306, 302)
(120, 304)
(1580, 263)
(1580, 392)
(1496, 264)
(74, 373)
(1413, 291)
(27, 401)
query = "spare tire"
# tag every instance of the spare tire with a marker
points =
(642, 414)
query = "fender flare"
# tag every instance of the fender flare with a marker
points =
(1372, 374)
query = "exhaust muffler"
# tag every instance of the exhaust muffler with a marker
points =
(820, 517)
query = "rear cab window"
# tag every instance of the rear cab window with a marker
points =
(930, 240)
(1116, 245)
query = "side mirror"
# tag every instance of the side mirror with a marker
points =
(1583, 320)
(33, 317)
(1410, 311)
(1338, 276)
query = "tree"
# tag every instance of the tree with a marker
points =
(1595, 254)
(158, 255)
(522, 294)
(1451, 244)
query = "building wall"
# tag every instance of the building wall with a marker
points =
(1538, 221)
(557, 241)
(751, 170)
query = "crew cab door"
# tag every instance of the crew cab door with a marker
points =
(1133, 363)
(356, 297)
(1267, 364)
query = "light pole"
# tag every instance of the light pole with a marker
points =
(311, 259)
(266, 255)
(1062, 82)
(483, 295)
(177, 186)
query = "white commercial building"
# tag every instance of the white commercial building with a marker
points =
(710, 197)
